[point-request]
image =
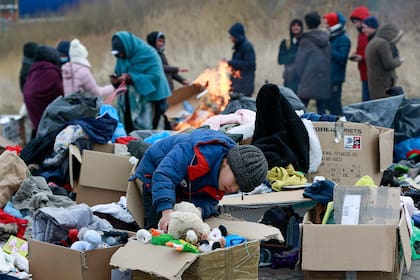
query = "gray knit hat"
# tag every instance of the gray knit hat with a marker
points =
(249, 166)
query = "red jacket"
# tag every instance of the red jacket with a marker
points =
(362, 41)
(361, 13)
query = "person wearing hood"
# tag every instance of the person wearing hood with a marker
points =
(243, 61)
(382, 62)
(312, 63)
(63, 47)
(340, 48)
(28, 58)
(287, 53)
(77, 75)
(157, 40)
(139, 66)
(358, 15)
(43, 84)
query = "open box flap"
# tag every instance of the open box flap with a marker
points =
(265, 199)
(405, 239)
(386, 140)
(158, 260)
(248, 230)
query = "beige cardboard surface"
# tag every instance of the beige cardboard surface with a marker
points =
(52, 262)
(378, 205)
(405, 240)
(238, 262)
(249, 230)
(135, 203)
(98, 176)
(188, 93)
(361, 149)
(348, 247)
(264, 199)
(158, 260)
(362, 247)
(359, 275)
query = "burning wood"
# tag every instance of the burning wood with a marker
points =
(213, 99)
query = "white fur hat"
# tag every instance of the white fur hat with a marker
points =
(78, 53)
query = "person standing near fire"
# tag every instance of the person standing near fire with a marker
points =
(243, 61)
(138, 66)
(157, 40)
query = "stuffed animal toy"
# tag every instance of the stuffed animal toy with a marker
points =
(91, 239)
(186, 223)
(155, 237)
(214, 240)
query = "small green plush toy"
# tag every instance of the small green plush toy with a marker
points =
(182, 246)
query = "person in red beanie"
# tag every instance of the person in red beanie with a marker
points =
(358, 15)
(340, 48)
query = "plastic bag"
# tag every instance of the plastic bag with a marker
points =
(63, 109)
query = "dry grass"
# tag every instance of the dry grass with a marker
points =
(197, 36)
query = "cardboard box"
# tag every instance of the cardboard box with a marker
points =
(98, 176)
(149, 261)
(253, 207)
(367, 251)
(13, 128)
(352, 150)
(51, 262)
(188, 93)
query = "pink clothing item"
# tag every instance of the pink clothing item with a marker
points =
(241, 116)
(79, 77)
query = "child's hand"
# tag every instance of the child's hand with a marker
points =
(183, 69)
(164, 221)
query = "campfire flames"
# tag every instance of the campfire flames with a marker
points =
(214, 98)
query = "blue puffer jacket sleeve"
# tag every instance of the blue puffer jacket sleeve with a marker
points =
(168, 174)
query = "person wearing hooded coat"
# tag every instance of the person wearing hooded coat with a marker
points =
(340, 48)
(138, 65)
(157, 40)
(358, 15)
(381, 62)
(287, 54)
(77, 75)
(27, 61)
(43, 83)
(312, 63)
(243, 60)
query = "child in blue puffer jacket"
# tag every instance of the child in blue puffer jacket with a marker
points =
(199, 167)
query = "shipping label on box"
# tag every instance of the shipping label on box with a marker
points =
(352, 150)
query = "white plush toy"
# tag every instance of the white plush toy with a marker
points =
(90, 240)
(186, 223)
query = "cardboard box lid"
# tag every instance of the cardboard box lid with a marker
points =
(265, 199)
(348, 247)
(158, 260)
(249, 230)
(188, 93)
(104, 170)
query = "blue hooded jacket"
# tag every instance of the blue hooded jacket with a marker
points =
(185, 167)
(340, 48)
(243, 59)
